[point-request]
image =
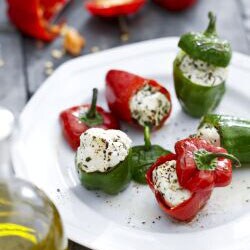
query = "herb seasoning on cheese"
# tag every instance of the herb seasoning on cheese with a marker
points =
(149, 106)
(166, 182)
(101, 150)
(202, 73)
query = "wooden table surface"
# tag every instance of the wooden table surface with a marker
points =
(24, 58)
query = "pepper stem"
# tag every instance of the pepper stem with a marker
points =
(206, 160)
(123, 25)
(147, 138)
(211, 29)
(92, 111)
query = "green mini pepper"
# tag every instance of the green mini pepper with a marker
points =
(199, 99)
(110, 182)
(234, 134)
(207, 46)
(144, 156)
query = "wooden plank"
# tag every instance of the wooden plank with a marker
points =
(13, 89)
(151, 22)
(245, 6)
(74, 246)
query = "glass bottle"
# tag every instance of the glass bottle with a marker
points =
(28, 219)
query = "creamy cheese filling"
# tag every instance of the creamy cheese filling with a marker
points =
(166, 182)
(209, 133)
(202, 73)
(149, 106)
(101, 150)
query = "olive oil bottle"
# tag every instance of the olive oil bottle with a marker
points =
(28, 219)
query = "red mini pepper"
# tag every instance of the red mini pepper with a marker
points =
(111, 8)
(176, 5)
(33, 17)
(188, 209)
(202, 166)
(121, 86)
(77, 120)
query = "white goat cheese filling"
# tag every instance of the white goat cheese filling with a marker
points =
(149, 106)
(202, 73)
(210, 134)
(166, 182)
(101, 150)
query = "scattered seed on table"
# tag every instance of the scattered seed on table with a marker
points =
(95, 49)
(48, 64)
(57, 54)
(2, 63)
(124, 37)
(49, 71)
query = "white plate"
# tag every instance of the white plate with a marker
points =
(130, 220)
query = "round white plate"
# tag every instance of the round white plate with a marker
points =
(132, 219)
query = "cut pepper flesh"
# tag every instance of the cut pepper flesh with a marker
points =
(33, 17)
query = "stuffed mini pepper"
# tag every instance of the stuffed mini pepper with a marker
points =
(144, 156)
(183, 182)
(174, 200)
(201, 69)
(137, 100)
(229, 132)
(103, 160)
(78, 119)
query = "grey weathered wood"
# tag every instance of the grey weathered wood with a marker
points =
(245, 5)
(74, 246)
(12, 77)
(151, 22)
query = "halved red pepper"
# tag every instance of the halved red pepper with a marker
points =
(114, 8)
(176, 5)
(78, 119)
(33, 17)
(188, 209)
(203, 166)
(121, 86)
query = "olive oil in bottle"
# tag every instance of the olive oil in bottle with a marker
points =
(28, 219)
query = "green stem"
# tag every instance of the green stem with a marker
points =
(92, 111)
(147, 138)
(205, 160)
(211, 29)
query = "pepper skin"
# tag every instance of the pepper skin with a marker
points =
(176, 5)
(73, 126)
(108, 9)
(144, 156)
(121, 86)
(207, 46)
(234, 134)
(195, 99)
(187, 210)
(201, 166)
(32, 17)
(111, 182)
